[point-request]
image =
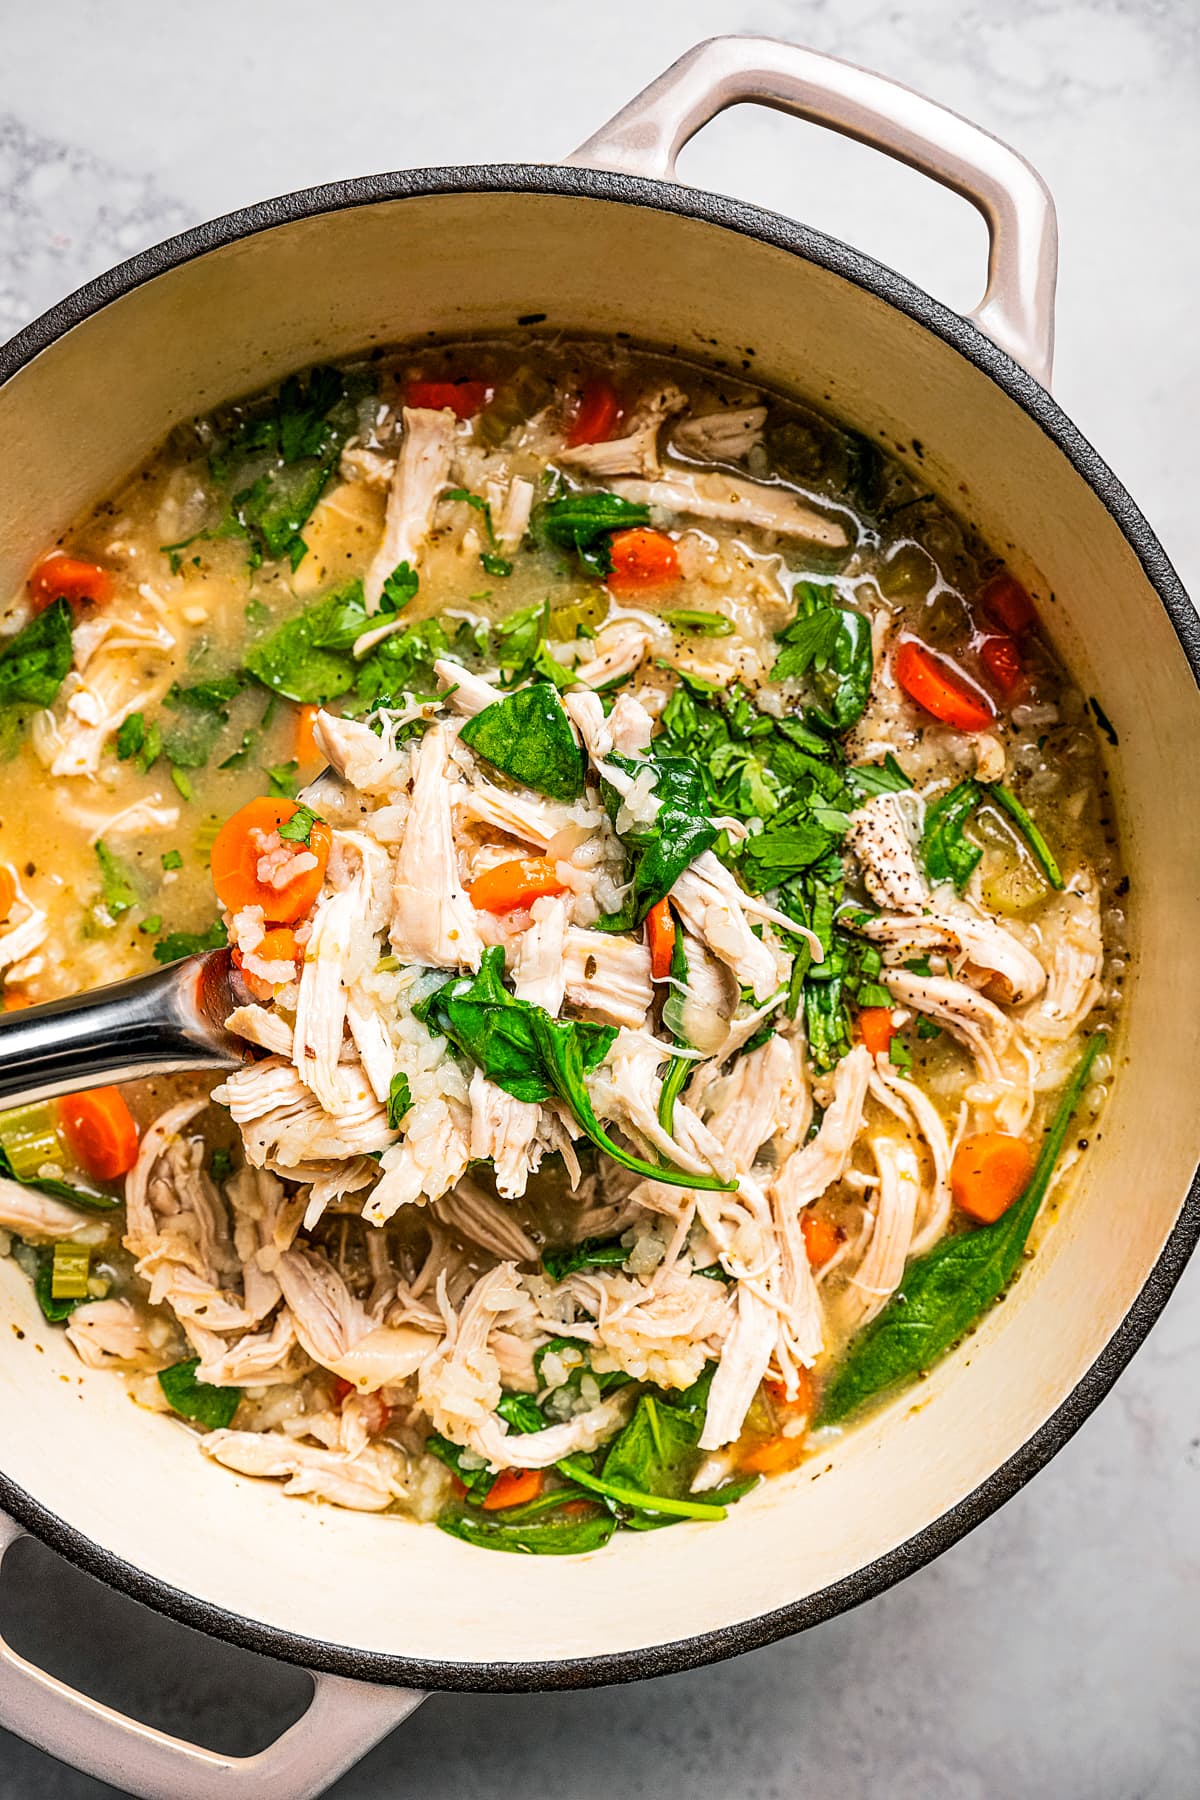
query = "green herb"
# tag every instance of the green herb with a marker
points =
(190, 943)
(309, 657)
(401, 664)
(151, 923)
(285, 456)
(521, 1413)
(778, 852)
(833, 645)
(476, 501)
(579, 1365)
(220, 1163)
(212, 1407)
(660, 849)
(945, 1292)
(212, 695)
(477, 1479)
(584, 523)
(171, 859)
(116, 881)
(702, 624)
(899, 1054)
(679, 1072)
(869, 779)
(256, 614)
(131, 735)
(151, 748)
(186, 790)
(553, 1525)
(399, 589)
(528, 736)
(1029, 831)
(592, 1253)
(189, 742)
(714, 1272)
(947, 853)
(298, 829)
(495, 565)
(283, 781)
(532, 1056)
(69, 1270)
(35, 661)
(399, 1100)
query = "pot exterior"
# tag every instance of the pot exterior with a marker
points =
(92, 388)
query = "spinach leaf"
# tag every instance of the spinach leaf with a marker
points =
(580, 1364)
(531, 1056)
(131, 736)
(212, 695)
(661, 849)
(35, 661)
(833, 645)
(521, 1413)
(557, 1524)
(528, 736)
(309, 657)
(399, 589)
(117, 888)
(495, 565)
(301, 437)
(212, 1407)
(948, 854)
(399, 1100)
(190, 943)
(402, 664)
(1042, 852)
(476, 1477)
(592, 1253)
(944, 1292)
(584, 523)
(283, 780)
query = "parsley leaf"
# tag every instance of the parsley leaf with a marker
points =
(399, 589)
(34, 662)
(309, 657)
(399, 1100)
(298, 829)
(190, 943)
(116, 881)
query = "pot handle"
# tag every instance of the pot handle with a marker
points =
(344, 1721)
(1017, 309)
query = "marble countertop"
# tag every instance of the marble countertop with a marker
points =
(1056, 1651)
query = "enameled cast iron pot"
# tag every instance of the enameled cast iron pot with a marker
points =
(608, 243)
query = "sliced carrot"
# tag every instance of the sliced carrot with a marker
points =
(597, 415)
(100, 1131)
(278, 945)
(660, 936)
(8, 890)
(642, 559)
(775, 1455)
(62, 577)
(14, 1000)
(513, 1487)
(822, 1239)
(1002, 660)
(940, 688)
(1007, 604)
(988, 1172)
(463, 398)
(514, 884)
(235, 856)
(305, 749)
(873, 1027)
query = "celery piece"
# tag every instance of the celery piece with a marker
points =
(29, 1137)
(69, 1272)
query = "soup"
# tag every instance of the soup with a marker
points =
(678, 914)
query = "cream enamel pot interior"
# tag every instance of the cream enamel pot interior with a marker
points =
(90, 389)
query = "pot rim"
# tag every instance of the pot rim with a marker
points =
(941, 1533)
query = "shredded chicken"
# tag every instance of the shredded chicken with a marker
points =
(422, 471)
(878, 839)
(734, 498)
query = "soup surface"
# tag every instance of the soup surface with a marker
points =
(677, 909)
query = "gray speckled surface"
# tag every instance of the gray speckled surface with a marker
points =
(1056, 1651)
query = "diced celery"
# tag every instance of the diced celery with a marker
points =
(29, 1137)
(69, 1273)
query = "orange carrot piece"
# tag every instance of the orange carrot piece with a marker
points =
(14, 1000)
(305, 749)
(873, 1027)
(940, 688)
(660, 936)
(463, 398)
(642, 559)
(100, 1131)
(62, 577)
(988, 1173)
(513, 1487)
(1007, 604)
(8, 890)
(775, 1455)
(515, 884)
(822, 1239)
(597, 416)
(235, 856)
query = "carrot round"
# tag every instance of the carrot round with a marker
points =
(597, 415)
(1002, 661)
(988, 1173)
(514, 884)
(463, 398)
(8, 890)
(660, 937)
(1007, 604)
(62, 577)
(822, 1239)
(235, 856)
(873, 1027)
(941, 689)
(100, 1132)
(642, 559)
(278, 945)
(513, 1487)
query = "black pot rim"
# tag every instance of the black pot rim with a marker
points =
(906, 1558)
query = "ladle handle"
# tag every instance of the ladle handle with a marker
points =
(1017, 309)
(167, 1021)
